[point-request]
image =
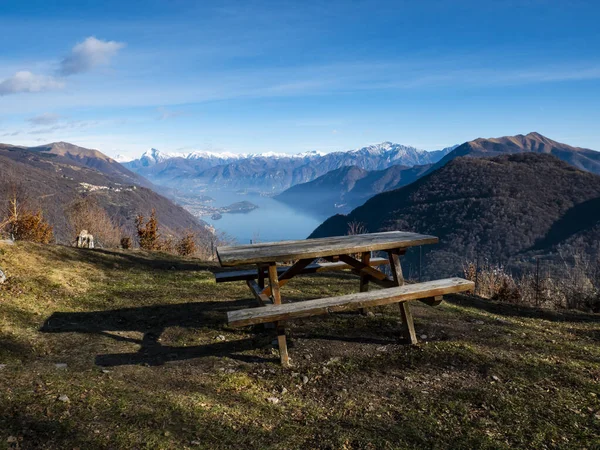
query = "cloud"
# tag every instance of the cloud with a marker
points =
(45, 119)
(165, 113)
(88, 54)
(25, 81)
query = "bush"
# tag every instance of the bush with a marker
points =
(147, 231)
(86, 214)
(126, 243)
(31, 226)
(187, 245)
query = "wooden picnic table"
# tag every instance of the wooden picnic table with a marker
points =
(273, 260)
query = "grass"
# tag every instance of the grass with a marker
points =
(151, 364)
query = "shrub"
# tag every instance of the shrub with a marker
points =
(86, 214)
(147, 231)
(31, 226)
(187, 244)
(126, 243)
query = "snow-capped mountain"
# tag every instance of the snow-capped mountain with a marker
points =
(272, 172)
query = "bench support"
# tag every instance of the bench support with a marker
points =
(408, 326)
(281, 341)
(365, 258)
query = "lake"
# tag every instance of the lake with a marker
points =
(271, 221)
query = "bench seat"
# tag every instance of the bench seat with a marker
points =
(308, 308)
(245, 275)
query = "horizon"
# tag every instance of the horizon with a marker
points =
(272, 77)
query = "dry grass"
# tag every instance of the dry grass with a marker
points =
(150, 364)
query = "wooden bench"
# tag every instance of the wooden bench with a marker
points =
(246, 275)
(341, 252)
(430, 291)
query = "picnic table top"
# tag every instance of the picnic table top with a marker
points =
(270, 252)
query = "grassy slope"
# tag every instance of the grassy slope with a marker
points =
(146, 366)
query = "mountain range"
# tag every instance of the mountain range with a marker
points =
(344, 189)
(270, 172)
(498, 209)
(54, 175)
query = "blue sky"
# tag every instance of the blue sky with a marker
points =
(294, 76)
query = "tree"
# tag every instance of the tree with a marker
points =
(187, 244)
(147, 231)
(86, 214)
(22, 223)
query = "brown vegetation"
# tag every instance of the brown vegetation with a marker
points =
(87, 214)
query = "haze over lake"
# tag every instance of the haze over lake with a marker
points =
(271, 221)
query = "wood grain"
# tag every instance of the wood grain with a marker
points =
(319, 248)
(243, 275)
(369, 299)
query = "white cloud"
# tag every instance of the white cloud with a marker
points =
(25, 81)
(88, 54)
(45, 119)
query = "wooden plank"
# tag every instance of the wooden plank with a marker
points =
(408, 326)
(243, 275)
(319, 248)
(396, 268)
(257, 292)
(297, 268)
(369, 299)
(281, 341)
(365, 258)
(363, 269)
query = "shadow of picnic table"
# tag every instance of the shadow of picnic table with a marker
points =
(152, 322)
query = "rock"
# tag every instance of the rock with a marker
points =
(63, 398)
(304, 379)
(60, 365)
(370, 314)
(495, 378)
(105, 371)
(273, 400)
(283, 390)
(84, 240)
(220, 337)
(2, 277)
(423, 336)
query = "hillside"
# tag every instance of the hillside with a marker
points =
(494, 208)
(270, 172)
(54, 178)
(344, 189)
(130, 350)
(582, 158)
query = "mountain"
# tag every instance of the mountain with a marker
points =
(92, 159)
(483, 208)
(54, 175)
(327, 192)
(348, 187)
(582, 158)
(270, 172)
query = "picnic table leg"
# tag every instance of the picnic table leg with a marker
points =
(364, 279)
(274, 285)
(261, 276)
(408, 326)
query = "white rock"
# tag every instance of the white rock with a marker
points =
(304, 379)
(423, 336)
(273, 400)
(220, 337)
(63, 398)
(2, 277)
